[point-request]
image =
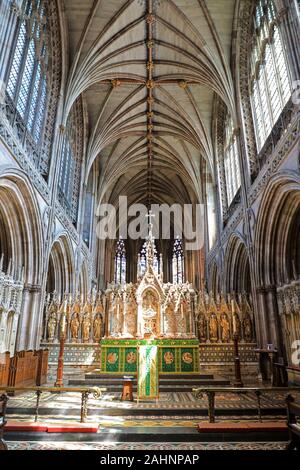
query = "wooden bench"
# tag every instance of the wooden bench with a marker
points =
(3, 403)
(293, 411)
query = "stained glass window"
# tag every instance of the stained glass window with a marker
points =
(178, 262)
(120, 263)
(143, 260)
(270, 81)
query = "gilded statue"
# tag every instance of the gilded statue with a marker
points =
(247, 328)
(238, 325)
(86, 328)
(97, 327)
(76, 307)
(75, 324)
(213, 328)
(52, 322)
(225, 328)
(202, 327)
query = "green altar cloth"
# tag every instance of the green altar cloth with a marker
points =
(175, 356)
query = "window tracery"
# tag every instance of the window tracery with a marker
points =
(269, 75)
(120, 262)
(32, 79)
(178, 262)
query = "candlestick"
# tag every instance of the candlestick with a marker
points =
(237, 364)
(233, 317)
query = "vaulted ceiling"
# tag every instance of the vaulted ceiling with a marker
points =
(148, 71)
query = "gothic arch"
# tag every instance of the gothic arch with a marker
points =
(61, 266)
(214, 278)
(277, 231)
(20, 222)
(84, 286)
(237, 268)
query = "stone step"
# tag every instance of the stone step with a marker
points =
(187, 410)
(153, 434)
(183, 377)
(113, 385)
(165, 380)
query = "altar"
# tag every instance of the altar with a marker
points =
(175, 356)
(150, 312)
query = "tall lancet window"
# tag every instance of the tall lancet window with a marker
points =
(231, 161)
(120, 262)
(269, 81)
(178, 262)
(29, 79)
(71, 162)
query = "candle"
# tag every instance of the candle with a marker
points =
(63, 320)
(234, 324)
(63, 323)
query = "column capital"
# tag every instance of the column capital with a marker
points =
(32, 288)
(265, 289)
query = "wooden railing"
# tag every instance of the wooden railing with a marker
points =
(257, 391)
(85, 393)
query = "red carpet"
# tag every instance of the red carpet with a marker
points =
(242, 427)
(12, 426)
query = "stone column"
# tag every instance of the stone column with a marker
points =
(23, 330)
(268, 327)
(290, 29)
(36, 318)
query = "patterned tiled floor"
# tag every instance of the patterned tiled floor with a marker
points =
(146, 446)
(174, 401)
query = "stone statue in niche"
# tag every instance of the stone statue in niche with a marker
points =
(202, 328)
(149, 301)
(117, 321)
(225, 328)
(238, 325)
(247, 324)
(75, 325)
(181, 319)
(150, 311)
(170, 324)
(97, 326)
(130, 317)
(52, 322)
(86, 328)
(213, 328)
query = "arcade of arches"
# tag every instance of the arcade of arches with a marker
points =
(163, 102)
